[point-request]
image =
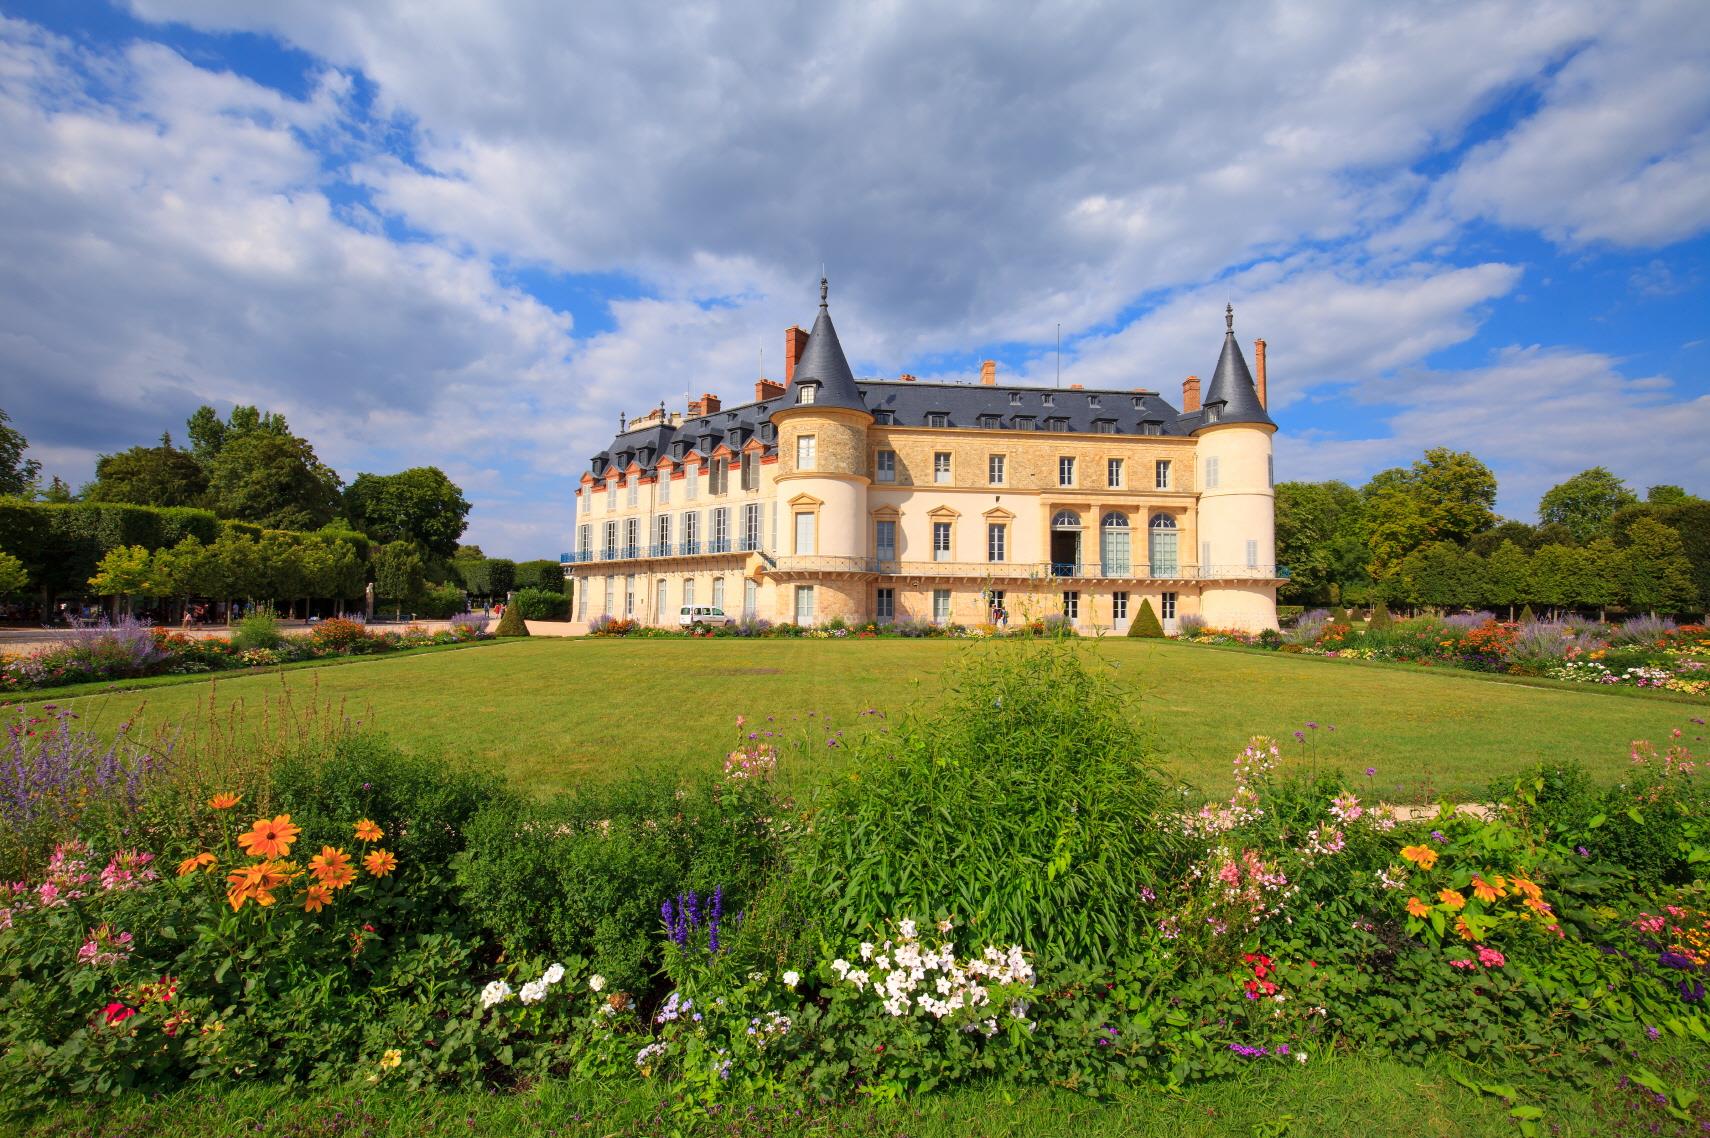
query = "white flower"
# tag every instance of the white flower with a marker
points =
(840, 966)
(1300, 1056)
(906, 928)
(792, 978)
(946, 925)
(597, 983)
(553, 974)
(866, 951)
(494, 993)
(533, 992)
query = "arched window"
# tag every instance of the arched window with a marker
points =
(1066, 519)
(1114, 545)
(1163, 542)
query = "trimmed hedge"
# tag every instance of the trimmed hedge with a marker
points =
(1145, 622)
(61, 543)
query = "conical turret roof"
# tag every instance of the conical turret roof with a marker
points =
(1232, 384)
(824, 363)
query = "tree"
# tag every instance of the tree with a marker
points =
(209, 436)
(58, 490)
(126, 571)
(1320, 539)
(1518, 533)
(18, 474)
(1507, 576)
(1438, 574)
(1658, 575)
(398, 572)
(273, 480)
(1555, 576)
(420, 505)
(1145, 622)
(1446, 496)
(1585, 502)
(1599, 580)
(150, 476)
(1669, 495)
(511, 623)
(13, 578)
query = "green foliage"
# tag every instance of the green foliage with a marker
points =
(1026, 796)
(398, 572)
(1145, 622)
(1527, 616)
(273, 480)
(61, 544)
(1320, 537)
(124, 572)
(258, 629)
(441, 601)
(18, 474)
(539, 604)
(1446, 496)
(419, 505)
(491, 577)
(1658, 574)
(13, 577)
(1380, 618)
(511, 623)
(150, 476)
(1585, 502)
(541, 574)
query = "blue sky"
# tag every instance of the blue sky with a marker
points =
(474, 234)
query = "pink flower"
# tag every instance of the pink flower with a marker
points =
(117, 1013)
(1467, 964)
(1491, 958)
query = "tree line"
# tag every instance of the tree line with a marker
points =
(1429, 534)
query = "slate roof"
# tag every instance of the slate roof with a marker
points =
(824, 363)
(732, 427)
(905, 404)
(1232, 383)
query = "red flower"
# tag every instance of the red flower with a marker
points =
(118, 1013)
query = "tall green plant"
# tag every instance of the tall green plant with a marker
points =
(1026, 807)
(1145, 622)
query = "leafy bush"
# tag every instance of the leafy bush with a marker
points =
(511, 623)
(1145, 622)
(440, 602)
(341, 634)
(258, 629)
(540, 604)
(1380, 618)
(1025, 807)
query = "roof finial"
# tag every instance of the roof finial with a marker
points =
(621, 422)
(1229, 316)
(824, 286)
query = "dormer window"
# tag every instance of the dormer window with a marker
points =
(885, 418)
(1047, 400)
(1092, 401)
(1015, 399)
(807, 392)
(1213, 412)
(989, 422)
(1104, 426)
(679, 449)
(1151, 427)
(1024, 422)
(1056, 423)
(1139, 402)
(937, 419)
(730, 417)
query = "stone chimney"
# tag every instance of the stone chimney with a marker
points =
(907, 378)
(988, 373)
(1075, 387)
(1190, 394)
(765, 389)
(795, 343)
(709, 403)
(1259, 371)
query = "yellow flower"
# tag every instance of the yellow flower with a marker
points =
(1451, 898)
(1418, 908)
(315, 898)
(1526, 888)
(367, 831)
(1488, 890)
(332, 868)
(1423, 856)
(224, 801)
(270, 838)
(391, 1058)
(191, 864)
(380, 863)
(1464, 929)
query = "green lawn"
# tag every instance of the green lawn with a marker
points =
(552, 712)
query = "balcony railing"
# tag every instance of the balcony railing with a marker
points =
(890, 566)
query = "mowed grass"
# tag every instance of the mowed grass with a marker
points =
(551, 713)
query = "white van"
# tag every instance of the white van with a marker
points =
(689, 616)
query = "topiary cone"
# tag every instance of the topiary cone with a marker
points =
(1527, 616)
(1380, 616)
(1145, 622)
(511, 623)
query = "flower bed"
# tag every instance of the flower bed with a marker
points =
(1640, 653)
(361, 916)
(129, 650)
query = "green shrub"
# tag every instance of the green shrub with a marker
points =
(1025, 807)
(1527, 616)
(1380, 618)
(260, 629)
(511, 623)
(539, 604)
(540, 574)
(1145, 622)
(440, 602)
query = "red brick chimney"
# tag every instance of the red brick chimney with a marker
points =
(1075, 387)
(907, 378)
(988, 373)
(1259, 371)
(795, 343)
(1190, 394)
(766, 389)
(709, 403)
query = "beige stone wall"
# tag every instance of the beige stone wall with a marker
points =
(840, 440)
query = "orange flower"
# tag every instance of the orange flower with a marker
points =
(332, 868)
(1418, 908)
(1451, 898)
(224, 801)
(316, 898)
(191, 864)
(270, 839)
(380, 863)
(1488, 890)
(1423, 856)
(257, 882)
(1539, 905)
(1464, 929)
(1526, 888)
(367, 831)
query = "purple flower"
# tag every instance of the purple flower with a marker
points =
(1371, 772)
(1301, 735)
(1437, 835)
(1652, 1033)
(1675, 960)
(1582, 851)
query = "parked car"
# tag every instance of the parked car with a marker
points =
(704, 616)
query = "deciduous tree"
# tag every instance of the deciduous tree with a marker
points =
(1585, 502)
(420, 505)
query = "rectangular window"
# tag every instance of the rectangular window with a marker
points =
(1271, 469)
(885, 539)
(610, 546)
(994, 470)
(941, 606)
(1065, 471)
(663, 537)
(941, 467)
(807, 392)
(751, 527)
(587, 500)
(663, 494)
(997, 535)
(584, 542)
(998, 606)
(804, 534)
(634, 489)
(1252, 555)
(611, 591)
(885, 466)
(662, 601)
(1104, 427)
(941, 541)
(718, 592)
(1211, 473)
(629, 596)
(937, 419)
(1167, 605)
(885, 606)
(691, 533)
(1113, 472)
(611, 497)
(1072, 605)
(721, 530)
(750, 598)
(750, 470)
(632, 537)
(804, 605)
(1161, 474)
(688, 591)
(1119, 606)
(805, 446)
(1205, 559)
(720, 477)
(692, 480)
